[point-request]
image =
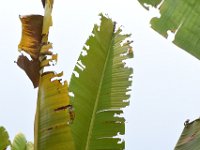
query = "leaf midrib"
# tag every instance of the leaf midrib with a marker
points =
(98, 95)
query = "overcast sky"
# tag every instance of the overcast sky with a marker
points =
(166, 78)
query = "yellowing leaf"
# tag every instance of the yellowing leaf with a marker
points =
(52, 123)
(31, 35)
(54, 113)
(47, 17)
(46, 62)
(45, 49)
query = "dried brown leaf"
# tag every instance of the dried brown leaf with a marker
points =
(31, 34)
(31, 68)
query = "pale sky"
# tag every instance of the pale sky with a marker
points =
(166, 78)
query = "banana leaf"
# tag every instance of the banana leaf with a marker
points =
(181, 17)
(100, 84)
(53, 115)
(20, 143)
(4, 138)
(190, 137)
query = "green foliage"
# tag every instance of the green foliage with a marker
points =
(154, 3)
(4, 138)
(20, 143)
(101, 89)
(190, 137)
(29, 146)
(182, 17)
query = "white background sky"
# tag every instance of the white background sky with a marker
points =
(165, 84)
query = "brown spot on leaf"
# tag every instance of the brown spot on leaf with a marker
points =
(46, 73)
(189, 138)
(70, 109)
(31, 68)
(64, 107)
(51, 128)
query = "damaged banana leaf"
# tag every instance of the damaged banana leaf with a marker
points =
(35, 29)
(181, 17)
(100, 84)
(190, 137)
(31, 42)
(54, 113)
(31, 35)
(53, 116)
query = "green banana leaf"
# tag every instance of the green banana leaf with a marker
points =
(4, 138)
(190, 137)
(181, 17)
(100, 84)
(20, 143)
(29, 146)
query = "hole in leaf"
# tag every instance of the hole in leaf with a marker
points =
(71, 94)
(76, 74)
(119, 136)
